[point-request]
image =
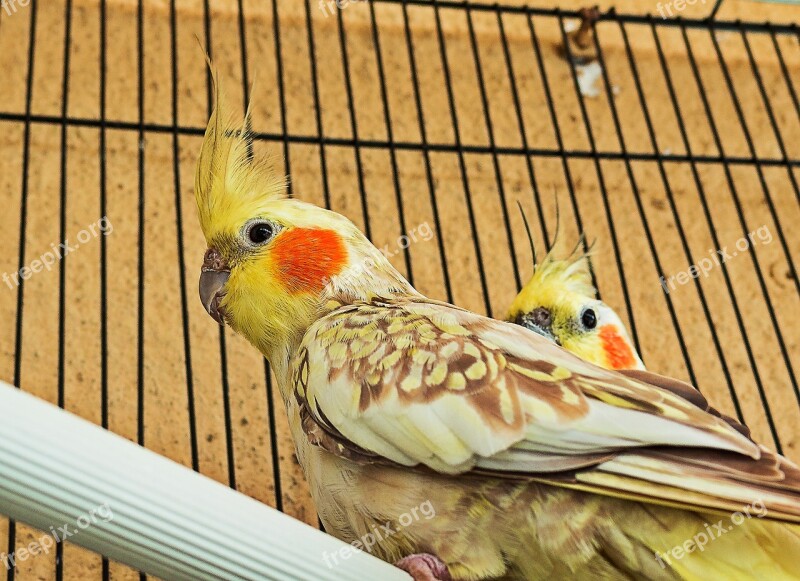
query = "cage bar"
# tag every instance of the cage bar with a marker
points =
(759, 380)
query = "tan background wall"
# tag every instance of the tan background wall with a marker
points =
(156, 356)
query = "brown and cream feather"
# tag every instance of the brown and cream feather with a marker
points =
(419, 383)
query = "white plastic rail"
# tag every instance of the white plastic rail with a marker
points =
(136, 507)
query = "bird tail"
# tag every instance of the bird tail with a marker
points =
(752, 549)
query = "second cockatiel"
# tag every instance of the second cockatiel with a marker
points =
(538, 465)
(560, 302)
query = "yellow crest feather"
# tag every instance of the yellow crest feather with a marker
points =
(229, 176)
(555, 276)
(571, 273)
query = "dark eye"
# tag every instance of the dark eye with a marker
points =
(260, 232)
(589, 319)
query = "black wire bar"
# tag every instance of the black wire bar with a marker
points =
(480, 25)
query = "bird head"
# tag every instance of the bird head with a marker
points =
(560, 302)
(272, 263)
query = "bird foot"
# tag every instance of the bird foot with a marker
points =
(424, 567)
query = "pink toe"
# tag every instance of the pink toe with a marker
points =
(425, 567)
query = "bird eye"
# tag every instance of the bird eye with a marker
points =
(589, 319)
(260, 232)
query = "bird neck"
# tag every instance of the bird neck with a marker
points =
(369, 275)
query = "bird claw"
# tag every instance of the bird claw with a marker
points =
(424, 567)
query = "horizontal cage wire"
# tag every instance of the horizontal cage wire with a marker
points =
(426, 123)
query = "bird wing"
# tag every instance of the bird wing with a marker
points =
(420, 383)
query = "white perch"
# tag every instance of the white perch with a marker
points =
(167, 521)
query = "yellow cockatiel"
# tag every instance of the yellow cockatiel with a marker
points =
(538, 465)
(560, 302)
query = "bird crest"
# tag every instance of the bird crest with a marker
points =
(230, 177)
(558, 273)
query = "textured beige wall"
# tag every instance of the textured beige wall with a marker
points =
(164, 376)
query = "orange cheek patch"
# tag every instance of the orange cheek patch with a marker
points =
(618, 353)
(306, 258)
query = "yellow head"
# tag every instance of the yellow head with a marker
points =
(559, 302)
(273, 263)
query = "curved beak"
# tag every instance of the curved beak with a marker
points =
(540, 321)
(212, 289)
(546, 333)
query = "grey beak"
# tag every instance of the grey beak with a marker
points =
(546, 333)
(212, 289)
(540, 321)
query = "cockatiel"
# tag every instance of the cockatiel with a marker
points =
(539, 465)
(560, 302)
